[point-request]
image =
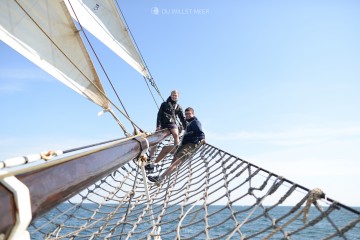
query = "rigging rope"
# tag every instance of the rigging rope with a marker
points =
(130, 198)
(92, 83)
(152, 95)
(151, 79)
(103, 69)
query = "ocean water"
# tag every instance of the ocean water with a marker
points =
(219, 219)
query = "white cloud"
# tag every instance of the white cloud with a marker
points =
(299, 136)
(11, 88)
(16, 79)
(323, 156)
(26, 74)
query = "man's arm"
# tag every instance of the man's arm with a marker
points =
(199, 132)
(181, 116)
(158, 119)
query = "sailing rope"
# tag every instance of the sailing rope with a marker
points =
(152, 95)
(149, 78)
(89, 80)
(47, 155)
(107, 77)
(212, 195)
(131, 195)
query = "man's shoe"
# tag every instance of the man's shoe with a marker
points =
(153, 179)
(149, 167)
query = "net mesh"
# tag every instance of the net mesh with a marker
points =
(212, 195)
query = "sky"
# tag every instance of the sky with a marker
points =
(275, 83)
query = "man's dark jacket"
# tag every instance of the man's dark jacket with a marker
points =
(168, 111)
(193, 133)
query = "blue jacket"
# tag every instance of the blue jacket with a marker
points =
(193, 133)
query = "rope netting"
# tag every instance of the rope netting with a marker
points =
(212, 195)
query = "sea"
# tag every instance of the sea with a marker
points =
(322, 229)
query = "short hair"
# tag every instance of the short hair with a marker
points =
(175, 91)
(190, 109)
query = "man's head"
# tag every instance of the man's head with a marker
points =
(189, 113)
(174, 95)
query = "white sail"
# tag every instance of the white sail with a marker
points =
(101, 18)
(44, 32)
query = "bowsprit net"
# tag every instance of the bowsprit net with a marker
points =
(212, 195)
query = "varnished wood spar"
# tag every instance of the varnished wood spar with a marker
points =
(51, 186)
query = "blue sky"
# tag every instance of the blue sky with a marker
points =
(275, 83)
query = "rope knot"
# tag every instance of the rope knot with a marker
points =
(314, 195)
(48, 155)
(143, 158)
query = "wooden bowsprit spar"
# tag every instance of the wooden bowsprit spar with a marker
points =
(57, 180)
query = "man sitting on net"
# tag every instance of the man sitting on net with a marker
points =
(193, 137)
(167, 117)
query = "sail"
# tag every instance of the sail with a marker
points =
(44, 32)
(102, 19)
